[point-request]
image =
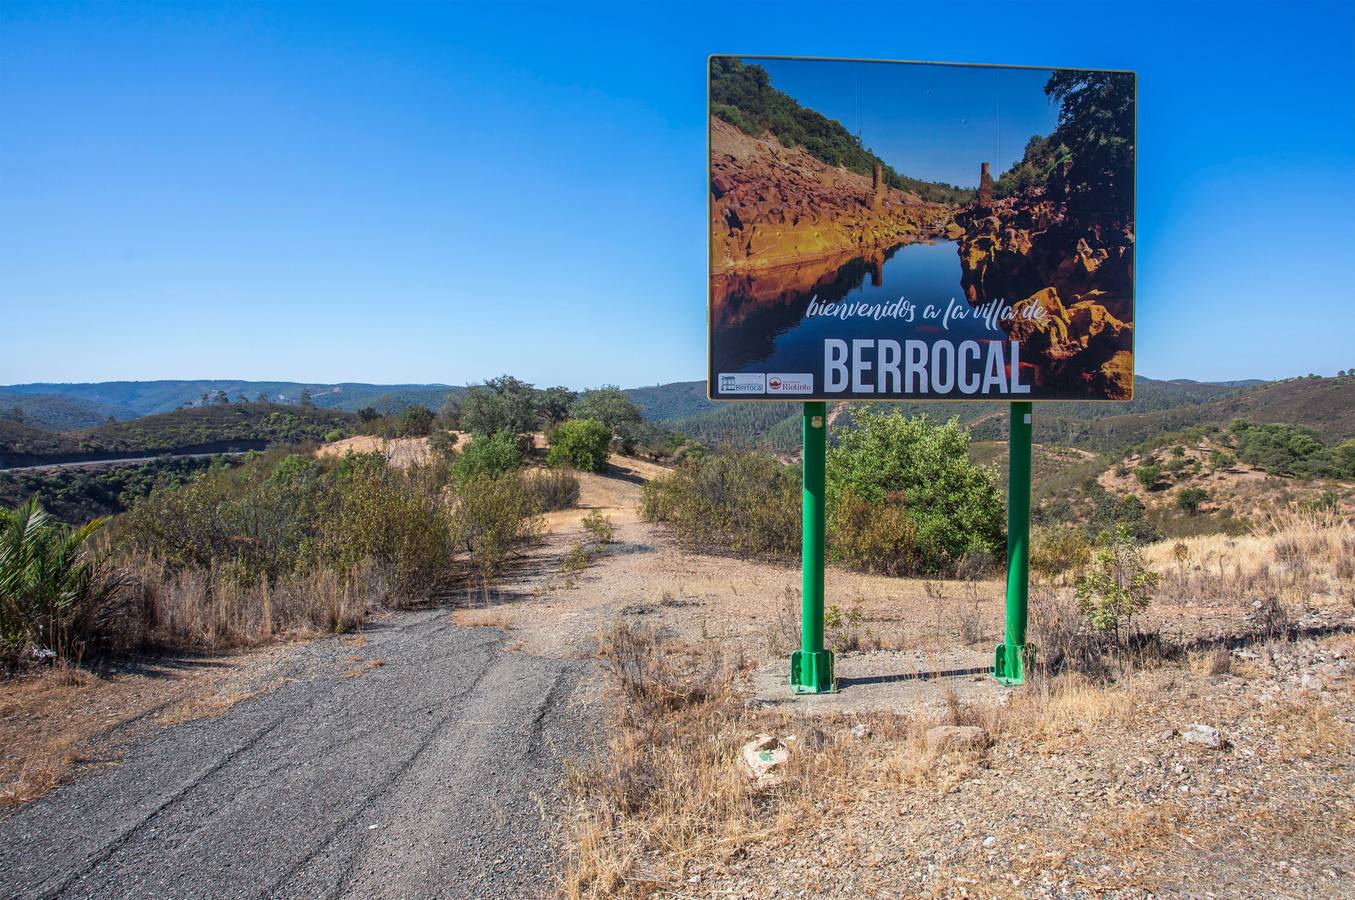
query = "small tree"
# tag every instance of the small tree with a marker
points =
(581, 444)
(610, 406)
(1148, 475)
(555, 404)
(1118, 584)
(416, 421)
(500, 404)
(1190, 499)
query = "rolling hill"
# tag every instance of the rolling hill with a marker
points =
(56, 412)
(132, 399)
(200, 429)
(1326, 405)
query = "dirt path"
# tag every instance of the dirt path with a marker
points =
(425, 762)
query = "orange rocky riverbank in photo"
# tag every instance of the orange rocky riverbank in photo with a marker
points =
(774, 206)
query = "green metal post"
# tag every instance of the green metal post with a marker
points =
(811, 667)
(1007, 662)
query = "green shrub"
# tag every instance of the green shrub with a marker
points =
(924, 470)
(744, 503)
(599, 527)
(373, 513)
(283, 515)
(1189, 499)
(881, 539)
(1148, 475)
(488, 455)
(553, 489)
(1118, 584)
(580, 443)
(442, 444)
(493, 515)
(1292, 450)
(1059, 552)
(53, 585)
(334, 434)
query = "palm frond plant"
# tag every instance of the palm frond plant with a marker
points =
(53, 584)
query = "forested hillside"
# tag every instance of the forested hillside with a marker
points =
(56, 412)
(1327, 405)
(131, 399)
(187, 429)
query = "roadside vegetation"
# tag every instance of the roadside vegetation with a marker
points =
(903, 499)
(218, 554)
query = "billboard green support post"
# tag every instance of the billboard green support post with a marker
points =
(811, 667)
(1008, 660)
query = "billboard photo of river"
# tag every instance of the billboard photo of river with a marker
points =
(916, 231)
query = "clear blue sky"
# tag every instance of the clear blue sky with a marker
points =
(937, 123)
(439, 192)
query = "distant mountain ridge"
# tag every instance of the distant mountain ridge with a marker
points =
(1327, 405)
(65, 407)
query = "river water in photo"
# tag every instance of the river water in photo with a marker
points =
(757, 330)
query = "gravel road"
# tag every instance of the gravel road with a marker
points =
(113, 463)
(433, 773)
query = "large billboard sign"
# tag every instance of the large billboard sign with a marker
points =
(920, 231)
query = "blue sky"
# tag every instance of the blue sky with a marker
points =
(937, 123)
(443, 192)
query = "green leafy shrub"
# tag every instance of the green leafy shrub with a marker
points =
(1148, 475)
(1118, 585)
(488, 455)
(745, 503)
(1222, 459)
(1189, 499)
(599, 527)
(442, 444)
(924, 470)
(54, 586)
(582, 444)
(1292, 450)
(493, 515)
(288, 514)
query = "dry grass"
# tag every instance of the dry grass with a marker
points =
(668, 801)
(486, 617)
(1300, 555)
(213, 609)
(668, 792)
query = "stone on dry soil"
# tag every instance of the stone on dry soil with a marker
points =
(1204, 735)
(763, 754)
(944, 738)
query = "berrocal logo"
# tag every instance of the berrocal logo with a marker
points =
(743, 383)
